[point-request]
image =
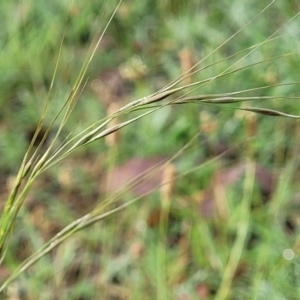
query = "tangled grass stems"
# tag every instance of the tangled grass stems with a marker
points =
(99, 213)
(33, 165)
(184, 75)
(94, 134)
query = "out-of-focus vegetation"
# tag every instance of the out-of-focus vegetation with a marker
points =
(227, 230)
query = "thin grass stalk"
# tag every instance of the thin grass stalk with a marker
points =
(161, 251)
(238, 246)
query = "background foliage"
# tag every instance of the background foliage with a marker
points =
(151, 250)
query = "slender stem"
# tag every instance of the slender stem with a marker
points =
(241, 234)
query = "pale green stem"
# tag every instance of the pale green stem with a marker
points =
(235, 255)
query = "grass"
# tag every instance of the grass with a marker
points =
(217, 228)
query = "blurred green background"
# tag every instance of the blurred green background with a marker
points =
(147, 251)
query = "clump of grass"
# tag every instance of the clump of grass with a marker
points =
(37, 160)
